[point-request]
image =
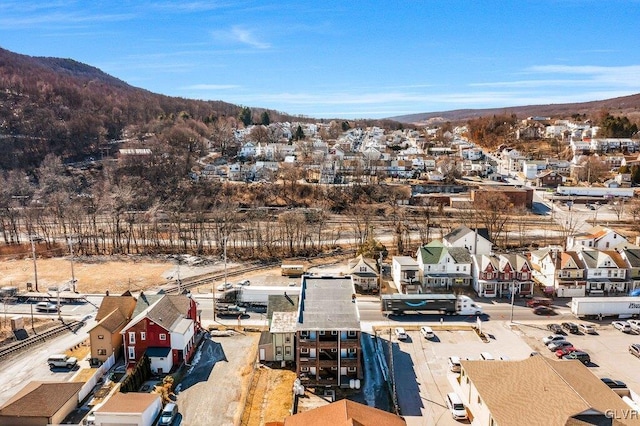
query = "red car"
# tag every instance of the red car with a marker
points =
(564, 351)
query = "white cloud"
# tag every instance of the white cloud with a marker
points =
(239, 34)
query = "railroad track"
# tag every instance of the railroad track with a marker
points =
(38, 338)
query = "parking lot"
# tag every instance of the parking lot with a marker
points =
(423, 377)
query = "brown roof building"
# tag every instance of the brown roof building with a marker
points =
(342, 413)
(105, 338)
(40, 403)
(539, 391)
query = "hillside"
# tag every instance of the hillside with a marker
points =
(626, 105)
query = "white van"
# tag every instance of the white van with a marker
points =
(454, 364)
(456, 407)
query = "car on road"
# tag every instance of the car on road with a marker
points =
(587, 328)
(554, 346)
(552, 338)
(571, 327)
(456, 406)
(555, 328)
(427, 332)
(400, 333)
(623, 326)
(46, 307)
(566, 350)
(168, 415)
(613, 384)
(225, 286)
(634, 349)
(543, 310)
(583, 357)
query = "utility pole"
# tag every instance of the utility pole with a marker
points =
(513, 295)
(73, 276)
(35, 266)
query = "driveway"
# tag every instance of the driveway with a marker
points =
(213, 389)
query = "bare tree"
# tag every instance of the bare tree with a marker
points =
(493, 209)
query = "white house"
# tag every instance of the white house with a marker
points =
(475, 241)
(444, 267)
(598, 237)
(364, 273)
(605, 271)
(406, 274)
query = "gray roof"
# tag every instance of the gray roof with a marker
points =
(327, 303)
(282, 303)
(461, 231)
(459, 254)
(633, 257)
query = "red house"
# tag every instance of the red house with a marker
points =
(164, 328)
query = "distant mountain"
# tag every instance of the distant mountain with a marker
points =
(64, 107)
(626, 105)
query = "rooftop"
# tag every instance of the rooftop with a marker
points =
(327, 303)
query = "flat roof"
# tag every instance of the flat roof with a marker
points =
(327, 303)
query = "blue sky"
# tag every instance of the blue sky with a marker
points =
(350, 58)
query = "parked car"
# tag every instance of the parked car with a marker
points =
(583, 357)
(634, 349)
(623, 326)
(168, 415)
(400, 333)
(587, 328)
(570, 327)
(635, 325)
(566, 350)
(555, 328)
(454, 364)
(554, 346)
(456, 406)
(427, 332)
(543, 310)
(613, 384)
(62, 361)
(552, 338)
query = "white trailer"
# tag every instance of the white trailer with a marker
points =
(595, 191)
(594, 307)
(256, 295)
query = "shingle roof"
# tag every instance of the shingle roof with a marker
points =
(461, 231)
(344, 413)
(167, 311)
(633, 257)
(41, 399)
(113, 321)
(125, 304)
(541, 390)
(326, 304)
(132, 402)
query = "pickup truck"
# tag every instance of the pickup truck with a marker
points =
(230, 310)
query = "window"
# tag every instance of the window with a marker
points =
(132, 353)
(304, 351)
(351, 369)
(100, 336)
(334, 333)
(304, 369)
(322, 332)
(333, 350)
(132, 338)
(278, 350)
(351, 333)
(287, 339)
(163, 336)
(102, 351)
(351, 350)
(304, 334)
(287, 350)
(143, 335)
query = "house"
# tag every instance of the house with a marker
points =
(364, 273)
(538, 390)
(342, 413)
(598, 237)
(40, 403)
(129, 409)
(499, 276)
(549, 179)
(328, 348)
(476, 241)
(405, 273)
(276, 344)
(559, 272)
(632, 258)
(105, 338)
(442, 268)
(164, 328)
(605, 271)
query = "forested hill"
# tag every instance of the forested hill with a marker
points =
(64, 107)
